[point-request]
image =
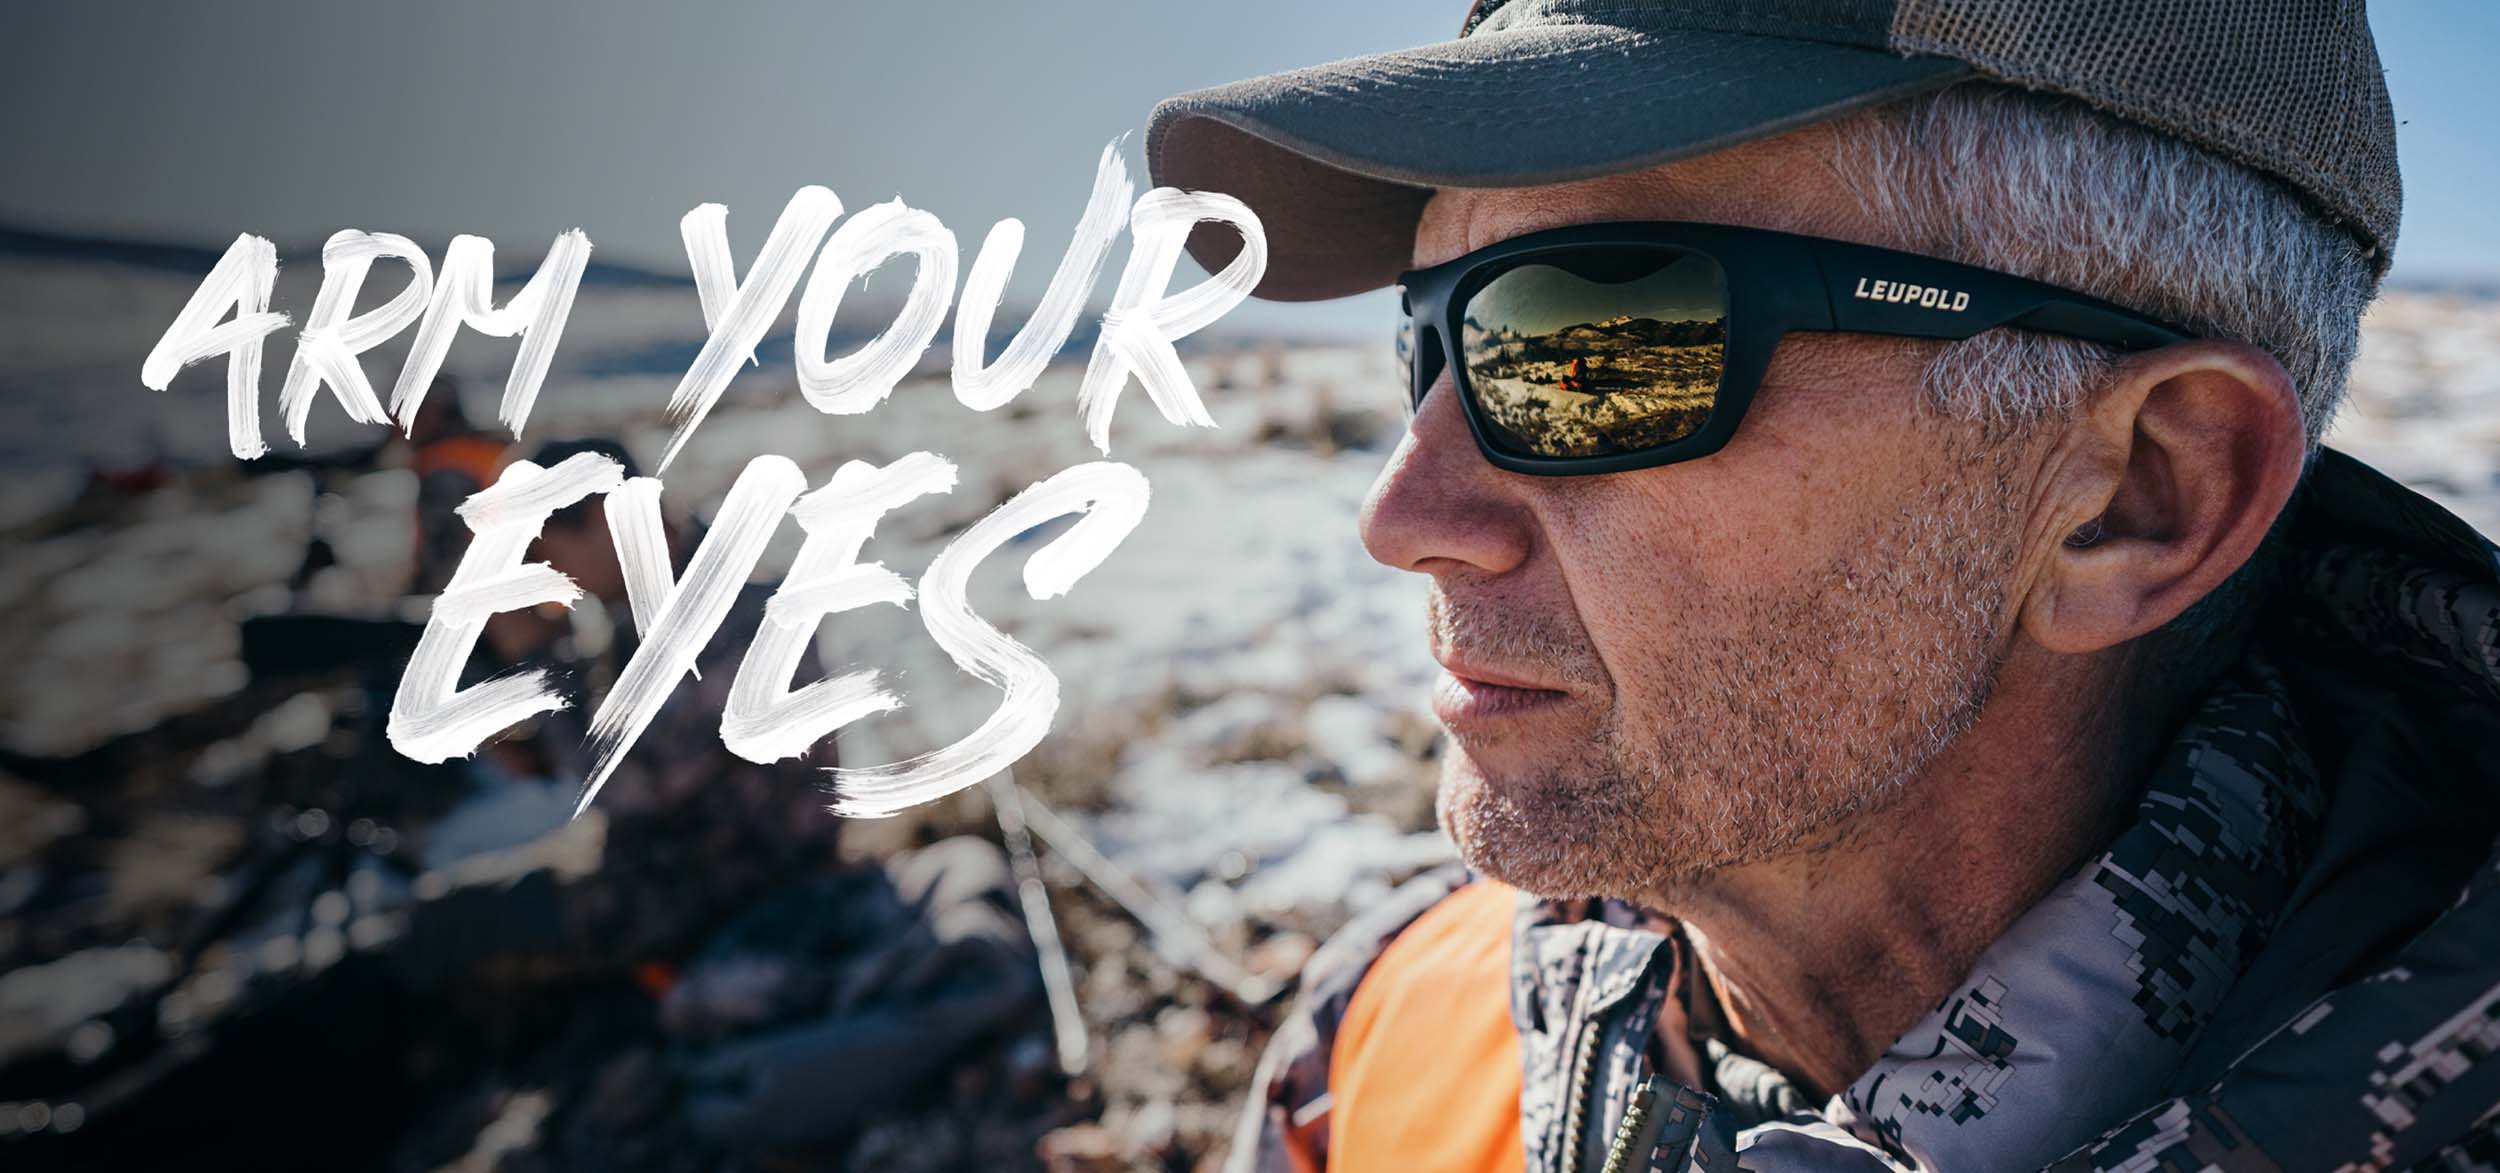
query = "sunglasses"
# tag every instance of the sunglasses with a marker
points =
(1611, 347)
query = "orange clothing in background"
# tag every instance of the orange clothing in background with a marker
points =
(478, 457)
(1425, 1072)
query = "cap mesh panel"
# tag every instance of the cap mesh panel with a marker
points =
(2291, 88)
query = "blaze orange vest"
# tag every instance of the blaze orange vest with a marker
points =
(1425, 1072)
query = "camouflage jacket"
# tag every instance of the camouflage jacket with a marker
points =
(2289, 960)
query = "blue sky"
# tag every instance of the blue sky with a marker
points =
(2443, 73)
(295, 119)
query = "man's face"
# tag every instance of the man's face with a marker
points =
(1660, 673)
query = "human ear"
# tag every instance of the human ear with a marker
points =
(2170, 479)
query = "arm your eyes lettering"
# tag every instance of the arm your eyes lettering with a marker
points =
(432, 719)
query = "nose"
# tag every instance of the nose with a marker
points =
(1439, 507)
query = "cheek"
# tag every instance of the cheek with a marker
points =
(1695, 547)
(1682, 535)
(1817, 465)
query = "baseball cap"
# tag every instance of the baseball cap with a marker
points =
(1338, 159)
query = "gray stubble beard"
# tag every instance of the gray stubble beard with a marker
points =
(1820, 706)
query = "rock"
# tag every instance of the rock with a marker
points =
(1080, 1148)
(1281, 955)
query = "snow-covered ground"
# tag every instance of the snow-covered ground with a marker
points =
(2424, 401)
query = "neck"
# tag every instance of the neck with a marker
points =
(1820, 958)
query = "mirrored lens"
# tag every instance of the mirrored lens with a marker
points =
(1596, 351)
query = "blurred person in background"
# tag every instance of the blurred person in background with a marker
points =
(806, 996)
(1952, 713)
(698, 832)
(452, 458)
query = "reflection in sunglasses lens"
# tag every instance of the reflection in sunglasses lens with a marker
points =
(1596, 351)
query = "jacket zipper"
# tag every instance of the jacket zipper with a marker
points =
(1640, 1111)
(1583, 1091)
(1636, 1139)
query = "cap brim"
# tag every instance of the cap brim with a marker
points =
(1338, 159)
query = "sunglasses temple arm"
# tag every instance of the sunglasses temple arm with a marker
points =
(1879, 291)
(1995, 300)
(2109, 326)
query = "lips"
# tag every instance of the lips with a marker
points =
(1470, 695)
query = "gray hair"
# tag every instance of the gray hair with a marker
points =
(2050, 189)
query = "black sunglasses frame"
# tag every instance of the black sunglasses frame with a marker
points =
(1772, 284)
